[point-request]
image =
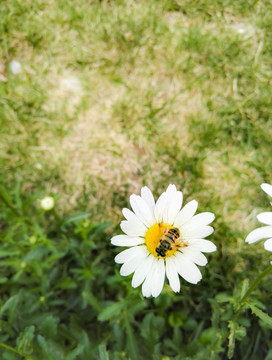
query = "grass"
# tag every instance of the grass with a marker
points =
(114, 95)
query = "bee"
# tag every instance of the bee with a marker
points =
(170, 240)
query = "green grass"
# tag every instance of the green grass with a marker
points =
(114, 95)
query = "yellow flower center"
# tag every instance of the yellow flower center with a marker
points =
(159, 243)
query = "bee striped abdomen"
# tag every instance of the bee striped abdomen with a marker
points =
(168, 241)
(174, 233)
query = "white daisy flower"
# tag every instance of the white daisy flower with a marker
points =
(264, 232)
(163, 239)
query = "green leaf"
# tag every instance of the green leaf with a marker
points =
(175, 320)
(17, 195)
(132, 345)
(91, 300)
(48, 327)
(43, 344)
(269, 355)
(11, 304)
(6, 253)
(66, 284)
(51, 349)
(100, 228)
(25, 339)
(112, 311)
(236, 333)
(223, 298)
(103, 353)
(207, 336)
(9, 356)
(231, 344)
(261, 315)
(74, 353)
(76, 217)
(151, 328)
(244, 288)
(4, 196)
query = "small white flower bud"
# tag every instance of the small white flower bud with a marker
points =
(15, 67)
(23, 264)
(47, 203)
(32, 239)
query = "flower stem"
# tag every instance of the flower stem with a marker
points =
(256, 283)
(251, 288)
(10, 349)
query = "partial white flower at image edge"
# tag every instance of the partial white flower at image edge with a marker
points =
(264, 232)
(163, 239)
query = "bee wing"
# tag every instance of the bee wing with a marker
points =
(180, 243)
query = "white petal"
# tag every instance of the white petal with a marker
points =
(258, 234)
(170, 197)
(158, 278)
(130, 216)
(124, 240)
(186, 213)
(163, 203)
(194, 255)
(142, 271)
(173, 207)
(172, 274)
(136, 208)
(148, 197)
(187, 269)
(195, 232)
(160, 206)
(171, 189)
(202, 245)
(268, 245)
(267, 188)
(127, 254)
(133, 228)
(147, 285)
(146, 212)
(132, 264)
(199, 220)
(265, 218)
(142, 210)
